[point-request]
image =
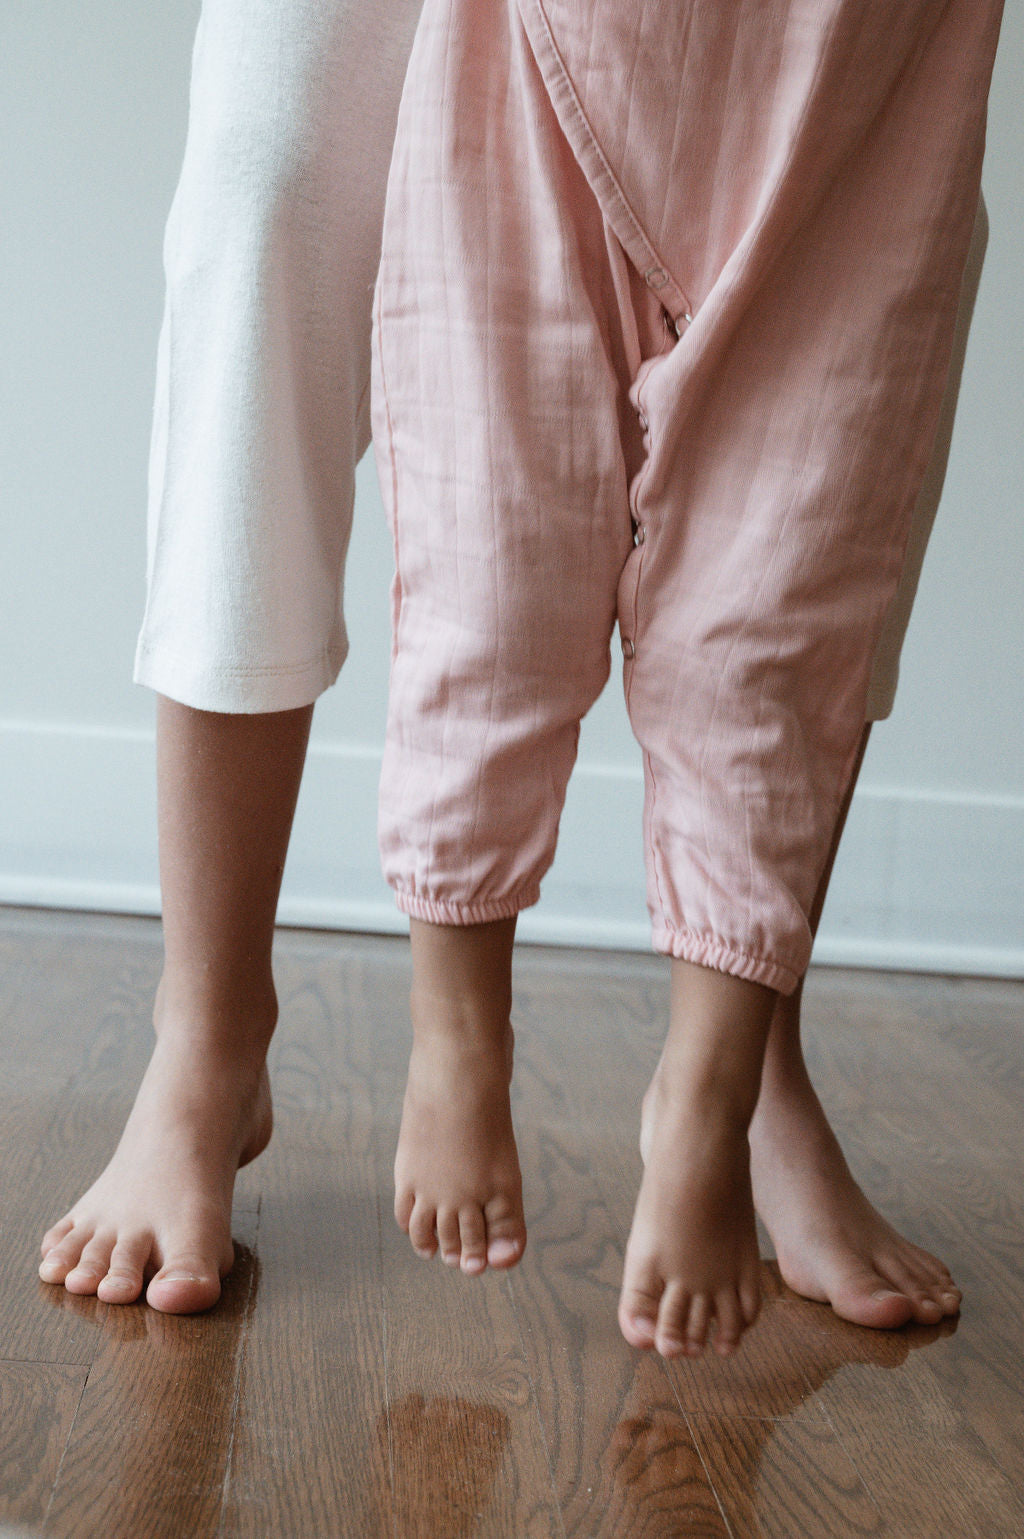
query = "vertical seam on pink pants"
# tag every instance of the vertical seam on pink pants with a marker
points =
(393, 463)
(651, 261)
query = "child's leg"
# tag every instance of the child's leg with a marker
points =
(773, 509)
(748, 731)
(228, 786)
(691, 1262)
(457, 1183)
(830, 1242)
(497, 426)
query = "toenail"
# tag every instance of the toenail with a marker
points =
(887, 1293)
(502, 1250)
(181, 1277)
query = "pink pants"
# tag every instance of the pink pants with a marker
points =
(663, 324)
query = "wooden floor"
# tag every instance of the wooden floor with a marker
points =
(344, 1388)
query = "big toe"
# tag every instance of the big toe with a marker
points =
(868, 1298)
(639, 1304)
(186, 1286)
(506, 1233)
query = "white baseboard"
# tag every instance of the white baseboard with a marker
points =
(925, 881)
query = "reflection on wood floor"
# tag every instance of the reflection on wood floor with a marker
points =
(342, 1387)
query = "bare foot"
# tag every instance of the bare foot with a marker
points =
(457, 1181)
(692, 1269)
(162, 1207)
(692, 1266)
(830, 1243)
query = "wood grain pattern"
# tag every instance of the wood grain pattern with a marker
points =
(38, 1403)
(777, 1479)
(306, 1458)
(344, 1387)
(168, 1385)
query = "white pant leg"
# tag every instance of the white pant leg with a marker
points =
(262, 408)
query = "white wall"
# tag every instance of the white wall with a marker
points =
(93, 118)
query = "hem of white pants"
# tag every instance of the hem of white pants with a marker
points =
(442, 911)
(238, 690)
(709, 951)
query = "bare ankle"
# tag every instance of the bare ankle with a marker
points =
(242, 1021)
(462, 980)
(715, 1048)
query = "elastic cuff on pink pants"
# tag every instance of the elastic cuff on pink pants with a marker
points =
(709, 951)
(436, 911)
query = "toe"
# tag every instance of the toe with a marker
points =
(927, 1310)
(92, 1266)
(913, 1283)
(697, 1324)
(423, 1229)
(638, 1304)
(448, 1236)
(473, 1233)
(53, 1237)
(184, 1286)
(506, 1232)
(750, 1301)
(932, 1289)
(64, 1256)
(673, 1313)
(729, 1323)
(950, 1298)
(124, 1280)
(405, 1201)
(869, 1298)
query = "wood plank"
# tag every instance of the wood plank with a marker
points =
(456, 1420)
(594, 1392)
(167, 1387)
(311, 1449)
(370, 1393)
(783, 1478)
(38, 1403)
(308, 1458)
(468, 1453)
(948, 1179)
(927, 1468)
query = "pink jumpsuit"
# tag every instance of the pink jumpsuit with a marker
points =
(662, 329)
